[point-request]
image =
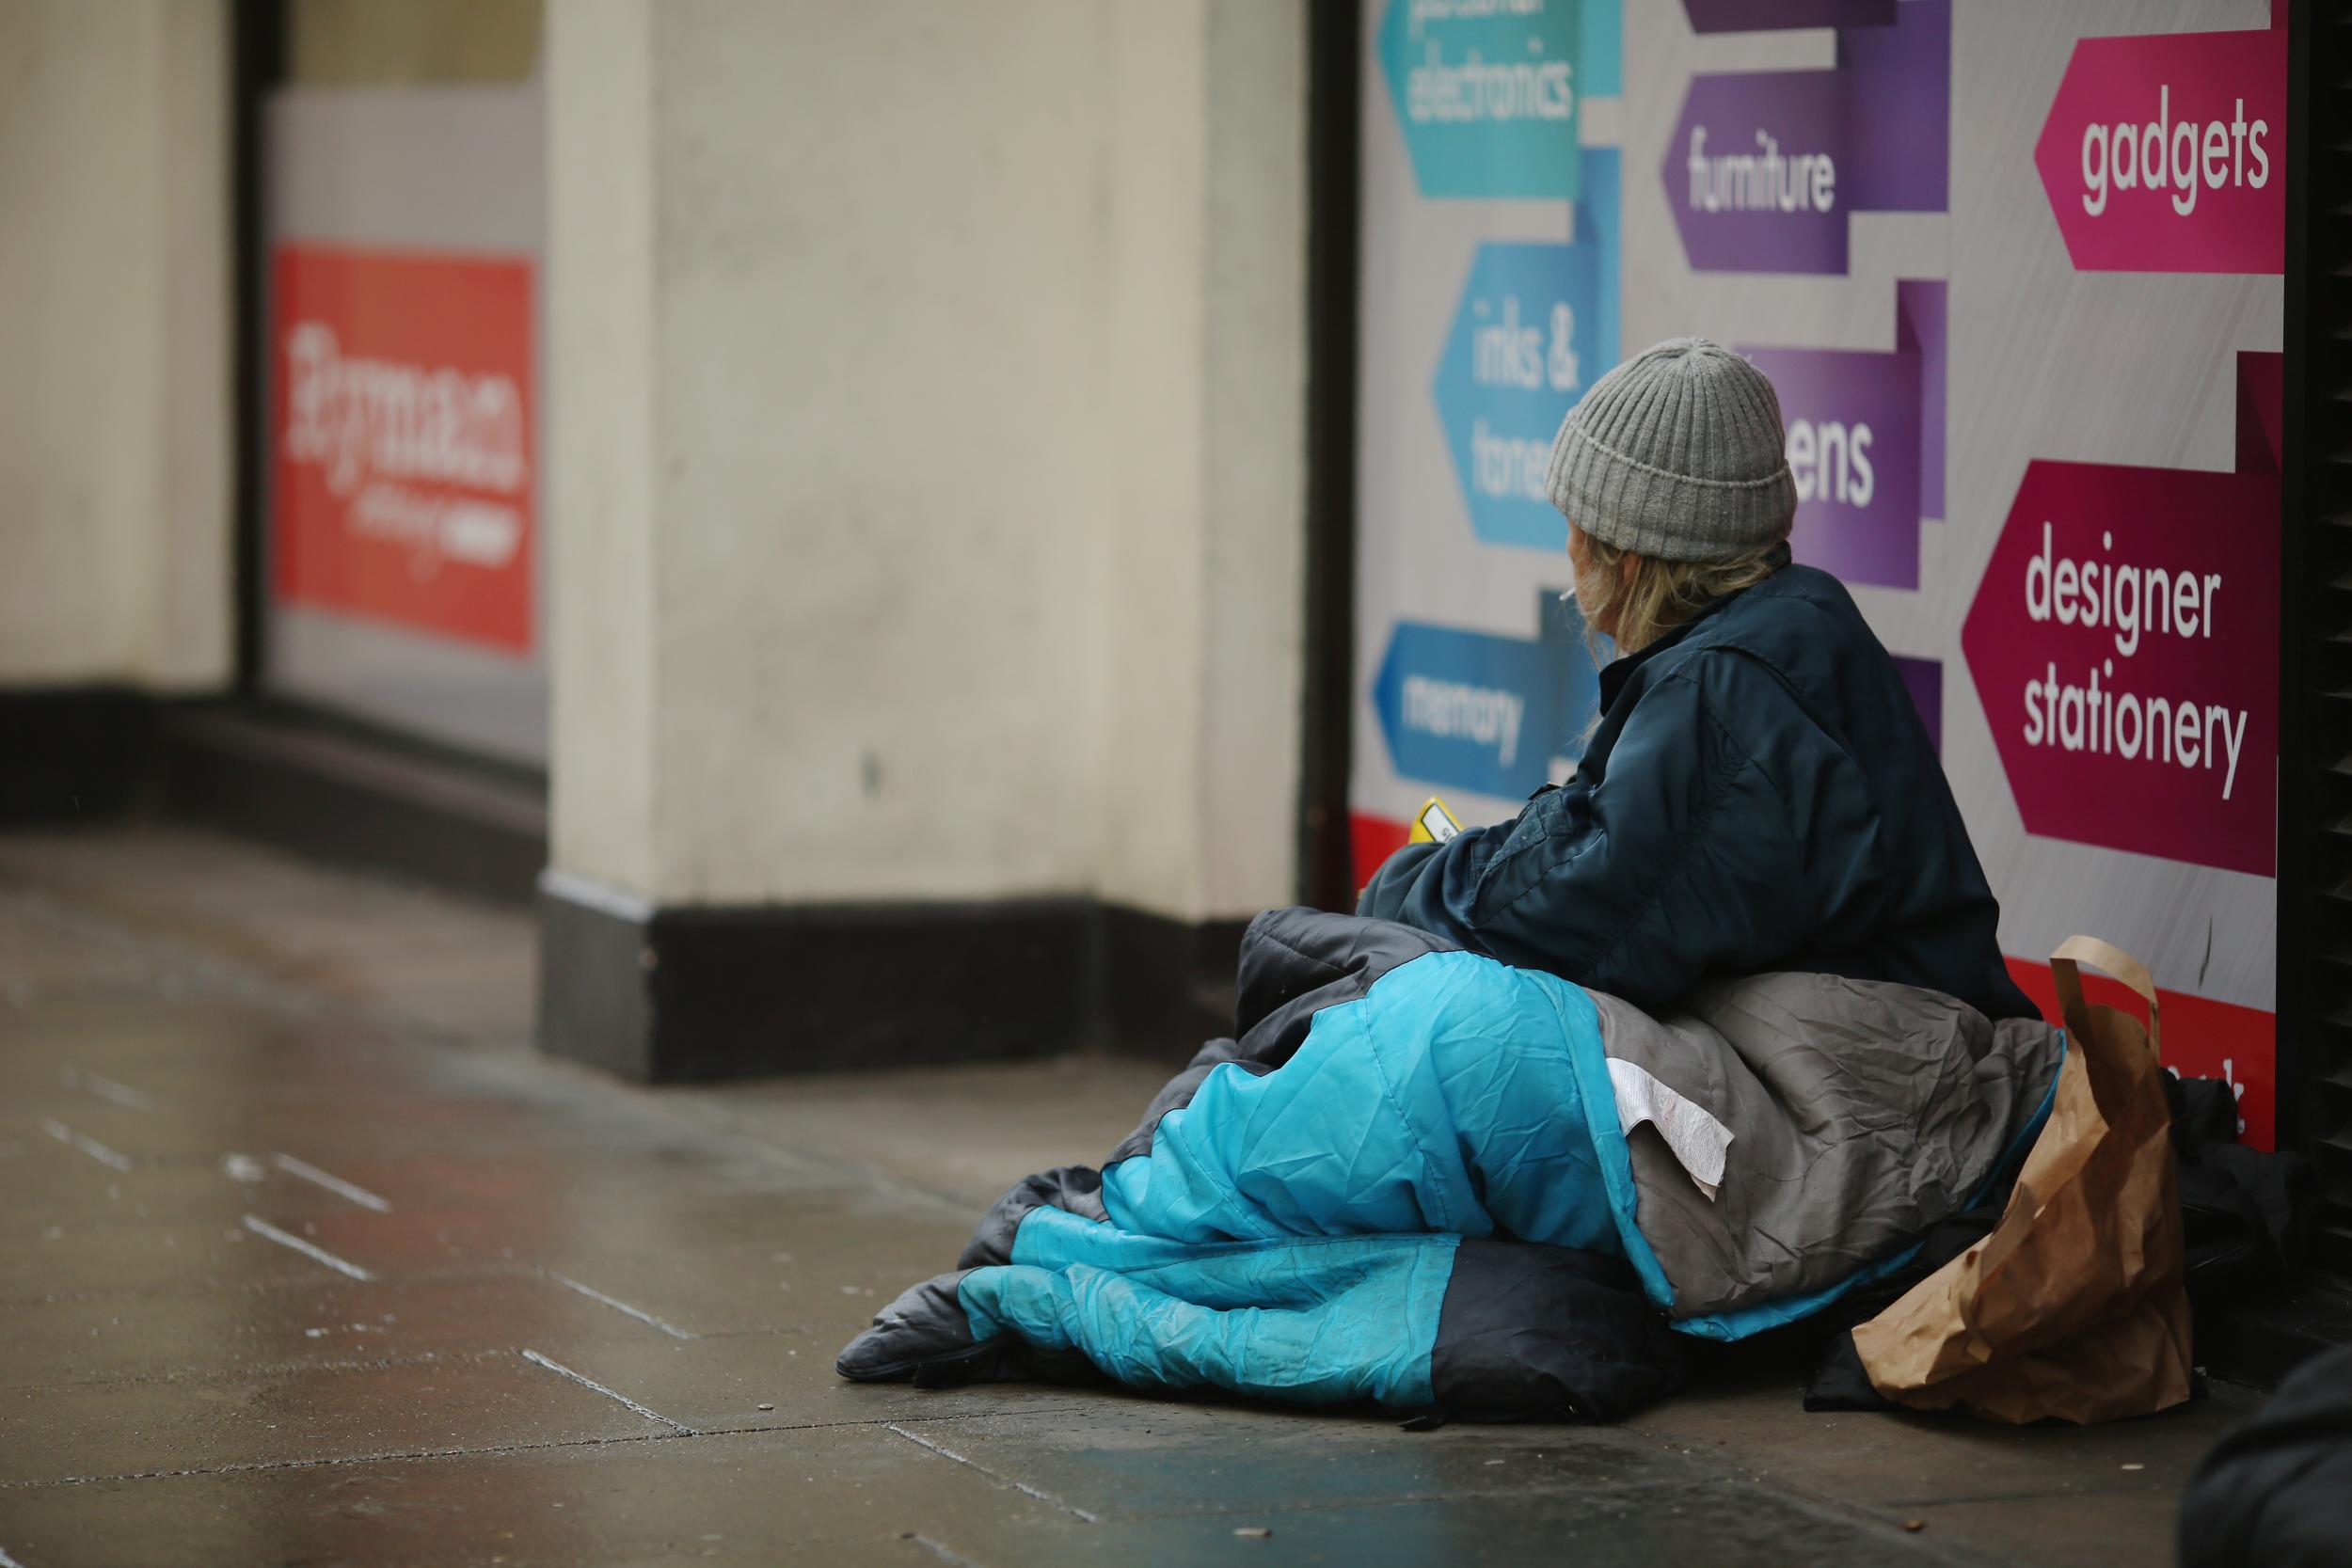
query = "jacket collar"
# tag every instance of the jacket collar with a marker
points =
(1614, 678)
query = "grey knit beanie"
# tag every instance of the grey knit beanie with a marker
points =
(1677, 454)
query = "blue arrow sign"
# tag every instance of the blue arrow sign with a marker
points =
(1489, 95)
(1473, 711)
(1536, 325)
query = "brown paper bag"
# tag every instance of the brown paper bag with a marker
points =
(2074, 1306)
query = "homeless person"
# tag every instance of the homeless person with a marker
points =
(1760, 793)
(1707, 1039)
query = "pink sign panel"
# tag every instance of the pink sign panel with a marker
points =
(2124, 644)
(2167, 152)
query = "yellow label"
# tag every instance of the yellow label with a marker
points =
(1433, 823)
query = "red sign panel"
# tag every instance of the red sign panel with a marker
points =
(2202, 1038)
(2125, 642)
(2167, 152)
(402, 439)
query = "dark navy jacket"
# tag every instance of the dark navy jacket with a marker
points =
(1760, 794)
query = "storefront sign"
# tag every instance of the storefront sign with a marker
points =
(1487, 93)
(403, 488)
(1501, 716)
(1536, 324)
(2021, 482)
(1857, 426)
(1765, 167)
(1757, 16)
(2168, 152)
(2126, 644)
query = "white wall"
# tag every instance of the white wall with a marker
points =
(1199, 812)
(598, 359)
(1253, 591)
(928, 443)
(116, 473)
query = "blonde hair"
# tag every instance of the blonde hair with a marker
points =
(1653, 598)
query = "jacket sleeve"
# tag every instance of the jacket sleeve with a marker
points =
(1703, 850)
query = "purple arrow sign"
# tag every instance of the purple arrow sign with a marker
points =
(1868, 466)
(1924, 679)
(1919, 328)
(1764, 167)
(1771, 16)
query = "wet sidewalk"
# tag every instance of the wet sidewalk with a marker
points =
(305, 1258)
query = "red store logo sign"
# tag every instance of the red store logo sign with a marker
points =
(403, 486)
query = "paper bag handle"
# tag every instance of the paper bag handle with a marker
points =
(2065, 970)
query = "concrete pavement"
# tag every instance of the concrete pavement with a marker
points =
(305, 1258)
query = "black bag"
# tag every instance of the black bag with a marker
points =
(2242, 1211)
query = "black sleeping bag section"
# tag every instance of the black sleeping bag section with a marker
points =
(2278, 1491)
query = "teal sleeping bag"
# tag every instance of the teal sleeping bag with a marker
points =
(1412, 1179)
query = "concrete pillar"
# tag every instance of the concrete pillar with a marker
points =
(1207, 433)
(116, 397)
(927, 455)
